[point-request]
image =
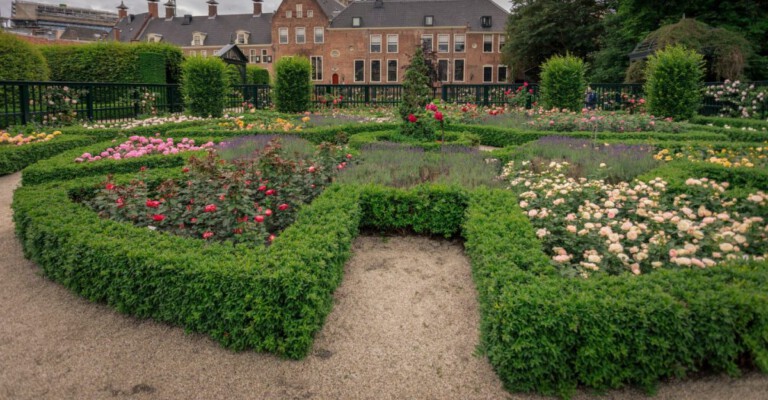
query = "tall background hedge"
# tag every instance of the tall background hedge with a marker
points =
(675, 79)
(115, 62)
(204, 85)
(563, 82)
(293, 87)
(21, 61)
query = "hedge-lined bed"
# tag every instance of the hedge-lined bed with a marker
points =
(451, 138)
(338, 133)
(15, 158)
(109, 133)
(733, 122)
(64, 167)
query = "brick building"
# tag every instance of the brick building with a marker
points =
(361, 42)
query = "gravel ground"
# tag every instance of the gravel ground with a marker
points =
(404, 326)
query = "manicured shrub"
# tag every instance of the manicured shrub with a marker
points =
(256, 75)
(20, 60)
(674, 82)
(292, 87)
(15, 158)
(204, 86)
(417, 93)
(563, 82)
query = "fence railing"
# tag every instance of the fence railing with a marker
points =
(47, 102)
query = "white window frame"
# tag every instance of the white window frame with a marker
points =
(447, 69)
(303, 34)
(357, 22)
(283, 33)
(299, 10)
(244, 35)
(397, 43)
(462, 41)
(288, 14)
(491, 67)
(484, 42)
(447, 38)
(431, 41)
(498, 68)
(197, 40)
(315, 76)
(252, 54)
(429, 20)
(322, 34)
(397, 73)
(502, 41)
(380, 70)
(354, 71)
(310, 13)
(264, 53)
(463, 70)
(203, 53)
(370, 42)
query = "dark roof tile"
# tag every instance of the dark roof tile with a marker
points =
(220, 30)
(411, 13)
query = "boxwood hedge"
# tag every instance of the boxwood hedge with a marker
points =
(14, 158)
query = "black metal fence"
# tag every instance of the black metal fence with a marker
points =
(50, 102)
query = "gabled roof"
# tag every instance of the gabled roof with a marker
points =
(411, 13)
(219, 31)
(331, 8)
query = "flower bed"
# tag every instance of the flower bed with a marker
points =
(588, 226)
(744, 156)
(15, 158)
(139, 146)
(20, 139)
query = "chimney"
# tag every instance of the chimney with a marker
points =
(122, 10)
(257, 8)
(152, 8)
(170, 9)
(212, 8)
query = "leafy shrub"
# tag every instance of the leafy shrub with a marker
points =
(674, 82)
(563, 82)
(21, 61)
(204, 86)
(15, 158)
(256, 75)
(417, 93)
(292, 87)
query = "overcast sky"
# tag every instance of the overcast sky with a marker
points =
(194, 7)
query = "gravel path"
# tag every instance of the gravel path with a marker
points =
(404, 326)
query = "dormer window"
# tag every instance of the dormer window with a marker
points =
(357, 22)
(198, 38)
(299, 10)
(429, 20)
(154, 38)
(485, 21)
(242, 37)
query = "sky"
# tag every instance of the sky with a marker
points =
(194, 7)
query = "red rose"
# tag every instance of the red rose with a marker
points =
(349, 156)
(271, 237)
(259, 218)
(270, 192)
(311, 169)
(412, 118)
(158, 217)
(262, 188)
(120, 202)
(185, 170)
(268, 212)
(153, 203)
(193, 220)
(530, 91)
(237, 231)
(282, 207)
(110, 186)
(210, 208)
(438, 115)
(207, 235)
(142, 169)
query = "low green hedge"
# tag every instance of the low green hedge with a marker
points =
(151, 130)
(733, 122)
(315, 135)
(738, 129)
(245, 297)
(452, 138)
(15, 158)
(675, 173)
(548, 334)
(501, 137)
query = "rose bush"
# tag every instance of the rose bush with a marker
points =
(139, 146)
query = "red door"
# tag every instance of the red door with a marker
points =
(335, 79)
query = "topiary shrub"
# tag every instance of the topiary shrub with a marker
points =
(674, 82)
(20, 60)
(256, 75)
(417, 93)
(204, 86)
(563, 82)
(293, 87)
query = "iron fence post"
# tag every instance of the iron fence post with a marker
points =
(24, 100)
(89, 102)
(444, 93)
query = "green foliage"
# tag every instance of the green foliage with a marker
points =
(256, 75)
(245, 297)
(674, 82)
(538, 30)
(451, 138)
(114, 62)
(431, 209)
(737, 123)
(563, 82)
(417, 93)
(676, 172)
(204, 86)
(233, 76)
(293, 87)
(15, 158)
(21, 61)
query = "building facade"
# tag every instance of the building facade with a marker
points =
(361, 42)
(60, 21)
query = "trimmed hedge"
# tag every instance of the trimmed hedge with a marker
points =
(271, 299)
(21, 61)
(204, 86)
(676, 172)
(15, 158)
(734, 122)
(500, 137)
(451, 138)
(549, 334)
(292, 85)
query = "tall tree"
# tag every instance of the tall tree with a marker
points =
(539, 29)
